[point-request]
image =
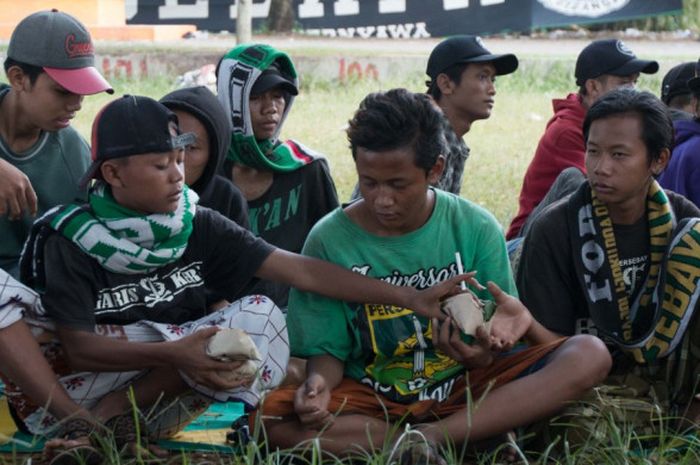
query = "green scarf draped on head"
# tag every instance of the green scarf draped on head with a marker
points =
(238, 71)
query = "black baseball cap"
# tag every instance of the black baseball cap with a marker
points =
(132, 125)
(676, 81)
(273, 77)
(467, 49)
(610, 56)
(694, 83)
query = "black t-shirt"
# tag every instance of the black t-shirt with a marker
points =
(220, 255)
(547, 281)
(285, 214)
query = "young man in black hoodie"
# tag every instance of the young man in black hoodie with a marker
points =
(199, 112)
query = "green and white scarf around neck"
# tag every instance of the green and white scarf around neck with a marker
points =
(120, 239)
(238, 71)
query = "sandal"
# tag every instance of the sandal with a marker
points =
(72, 431)
(131, 437)
(413, 448)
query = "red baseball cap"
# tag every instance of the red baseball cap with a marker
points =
(61, 45)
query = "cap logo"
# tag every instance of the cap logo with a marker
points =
(585, 8)
(76, 49)
(479, 42)
(624, 49)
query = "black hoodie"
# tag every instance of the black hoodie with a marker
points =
(215, 191)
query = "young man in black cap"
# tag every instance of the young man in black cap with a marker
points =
(683, 172)
(123, 278)
(675, 92)
(50, 66)
(602, 66)
(462, 82)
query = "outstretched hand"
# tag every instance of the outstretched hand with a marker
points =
(311, 402)
(510, 321)
(16, 192)
(427, 302)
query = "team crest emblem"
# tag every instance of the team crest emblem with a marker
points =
(624, 49)
(586, 8)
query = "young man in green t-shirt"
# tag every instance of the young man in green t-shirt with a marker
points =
(371, 366)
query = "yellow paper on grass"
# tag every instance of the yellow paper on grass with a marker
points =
(204, 436)
(7, 426)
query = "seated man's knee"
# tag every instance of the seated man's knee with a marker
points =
(593, 361)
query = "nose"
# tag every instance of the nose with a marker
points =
(177, 172)
(601, 165)
(384, 197)
(75, 102)
(492, 88)
(270, 105)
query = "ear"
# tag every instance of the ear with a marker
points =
(659, 165)
(436, 171)
(445, 84)
(16, 78)
(111, 173)
(592, 86)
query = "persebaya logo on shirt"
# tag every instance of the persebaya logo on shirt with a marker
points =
(587, 8)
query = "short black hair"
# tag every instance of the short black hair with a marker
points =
(396, 119)
(31, 71)
(657, 126)
(680, 100)
(454, 72)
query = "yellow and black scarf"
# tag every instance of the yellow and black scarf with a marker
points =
(670, 292)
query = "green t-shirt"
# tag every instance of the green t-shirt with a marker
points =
(387, 347)
(54, 165)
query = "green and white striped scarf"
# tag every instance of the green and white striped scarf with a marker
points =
(238, 71)
(120, 239)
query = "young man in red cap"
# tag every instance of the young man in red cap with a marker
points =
(50, 66)
(602, 66)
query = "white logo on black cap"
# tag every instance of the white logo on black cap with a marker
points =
(623, 48)
(479, 42)
(587, 8)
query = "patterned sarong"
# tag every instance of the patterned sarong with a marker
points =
(256, 314)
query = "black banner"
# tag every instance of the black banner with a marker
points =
(402, 18)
